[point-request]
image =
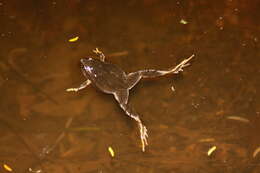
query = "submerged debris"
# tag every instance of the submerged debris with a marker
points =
(238, 119)
(257, 150)
(116, 54)
(207, 140)
(211, 150)
(82, 129)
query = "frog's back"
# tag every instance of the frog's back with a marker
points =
(108, 77)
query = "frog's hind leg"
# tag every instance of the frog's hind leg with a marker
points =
(122, 98)
(133, 79)
(82, 86)
(151, 73)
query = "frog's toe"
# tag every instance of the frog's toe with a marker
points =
(144, 137)
(72, 90)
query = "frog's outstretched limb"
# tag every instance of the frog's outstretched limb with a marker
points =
(88, 82)
(122, 98)
(100, 54)
(82, 86)
(133, 78)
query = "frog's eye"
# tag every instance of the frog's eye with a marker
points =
(85, 60)
(82, 60)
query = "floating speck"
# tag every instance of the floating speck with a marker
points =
(173, 89)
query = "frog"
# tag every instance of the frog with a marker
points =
(111, 79)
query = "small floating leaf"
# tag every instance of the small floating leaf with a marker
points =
(35, 171)
(184, 22)
(73, 39)
(211, 150)
(111, 151)
(7, 168)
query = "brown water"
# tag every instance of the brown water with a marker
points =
(38, 63)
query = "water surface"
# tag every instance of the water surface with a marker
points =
(215, 102)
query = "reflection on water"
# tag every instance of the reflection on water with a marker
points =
(214, 104)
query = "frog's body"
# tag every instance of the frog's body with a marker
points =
(105, 76)
(113, 80)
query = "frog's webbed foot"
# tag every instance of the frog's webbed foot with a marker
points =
(142, 129)
(82, 86)
(143, 134)
(180, 66)
(100, 54)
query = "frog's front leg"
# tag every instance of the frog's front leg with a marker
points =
(122, 98)
(82, 86)
(133, 78)
(100, 54)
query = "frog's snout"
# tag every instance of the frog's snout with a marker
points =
(82, 60)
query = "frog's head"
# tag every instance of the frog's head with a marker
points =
(86, 63)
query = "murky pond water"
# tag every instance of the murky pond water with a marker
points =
(210, 123)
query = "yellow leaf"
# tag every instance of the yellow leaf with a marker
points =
(111, 151)
(7, 168)
(73, 39)
(210, 151)
(256, 152)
